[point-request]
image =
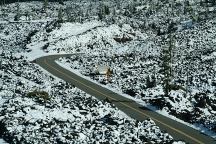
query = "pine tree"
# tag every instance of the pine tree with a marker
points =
(201, 3)
(17, 16)
(68, 13)
(45, 5)
(2, 5)
(3, 2)
(101, 12)
(186, 6)
(213, 2)
(132, 7)
(106, 10)
(167, 65)
(206, 12)
(188, 63)
(118, 4)
(80, 16)
(61, 2)
(60, 15)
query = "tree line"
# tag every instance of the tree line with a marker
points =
(12, 1)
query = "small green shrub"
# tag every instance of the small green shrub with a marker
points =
(176, 87)
(39, 95)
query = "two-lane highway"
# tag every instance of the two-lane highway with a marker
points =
(178, 130)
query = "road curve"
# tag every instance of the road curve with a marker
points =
(177, 130)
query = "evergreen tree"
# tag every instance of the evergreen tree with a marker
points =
(201, 3)
(45, 5)
(213, 2)
(186, 6)
(3, 2)
(206, 12)
(118, 4)
(17, 16)
(132, 7)
(80, 16)
(106, 10)
(167, 65)
(68, 13)
(27, 15)
(61, 2)
(103, 11)
(60, 15)
(188, 65)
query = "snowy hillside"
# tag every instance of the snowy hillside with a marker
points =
(36, 107)
(138, 40)
(137, 63)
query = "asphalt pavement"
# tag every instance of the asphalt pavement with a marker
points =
(176, 129)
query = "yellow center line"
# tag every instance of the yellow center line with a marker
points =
(154, 119)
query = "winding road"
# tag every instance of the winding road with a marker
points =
(178, 130)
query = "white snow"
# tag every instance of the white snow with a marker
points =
(2, 141)
(86, 34)
(163, 112)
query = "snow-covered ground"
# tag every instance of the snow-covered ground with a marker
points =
(126, 36)
(136, 63)
(40, 108)
(135, 71)
(36, 107)
(2, 141)
(66, 31)
(67, 114)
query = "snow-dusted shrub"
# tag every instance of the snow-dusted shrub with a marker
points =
(40, 95)
(73, 119)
